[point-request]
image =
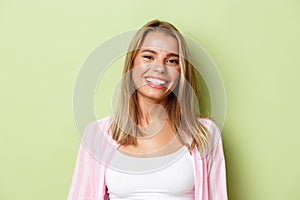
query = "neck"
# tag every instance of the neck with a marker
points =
(152, 112)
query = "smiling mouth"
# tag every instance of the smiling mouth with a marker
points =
(155, 81)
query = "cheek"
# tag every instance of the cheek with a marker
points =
(178, 69)
(176, 78)
(139, 69)
(137, 62)
(175, 74)
(135, 72)
(134, 75)
(137, 76)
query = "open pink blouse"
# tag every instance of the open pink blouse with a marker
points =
(97, 148)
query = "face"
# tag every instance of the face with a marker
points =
(156, 68)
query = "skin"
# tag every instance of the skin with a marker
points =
(157, 58)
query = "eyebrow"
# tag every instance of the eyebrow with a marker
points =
(154, 52)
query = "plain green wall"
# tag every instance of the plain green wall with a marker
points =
(254, 43)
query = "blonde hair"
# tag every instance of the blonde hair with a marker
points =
(124, 126)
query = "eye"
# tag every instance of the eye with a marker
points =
(173, 61)
(148, 57)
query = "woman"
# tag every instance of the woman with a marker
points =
(155, 121)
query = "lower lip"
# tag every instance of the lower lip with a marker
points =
(156, 86)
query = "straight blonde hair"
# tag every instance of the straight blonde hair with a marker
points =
(182, 102)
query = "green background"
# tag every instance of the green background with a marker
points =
(254, 43)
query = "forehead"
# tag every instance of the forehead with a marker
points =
(160, 41)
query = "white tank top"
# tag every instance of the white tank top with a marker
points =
(164, 177)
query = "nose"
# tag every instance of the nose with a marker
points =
(159, 66)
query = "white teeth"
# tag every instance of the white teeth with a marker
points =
(156, 81)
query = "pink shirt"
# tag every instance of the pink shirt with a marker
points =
(97, 148)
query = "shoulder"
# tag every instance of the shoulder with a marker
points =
(99, 128)
(97, 139)
(208, 122)
(211, 126)
(102, 125)
(213, 133)
(103, 122)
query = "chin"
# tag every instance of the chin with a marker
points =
(154, 95)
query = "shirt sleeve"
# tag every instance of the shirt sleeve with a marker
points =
(217, 189)
(80, 182)
(84, 185)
